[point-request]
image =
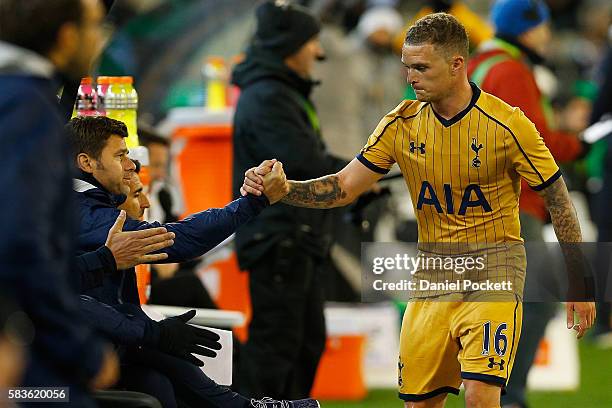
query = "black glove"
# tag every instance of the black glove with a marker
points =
(174, 336)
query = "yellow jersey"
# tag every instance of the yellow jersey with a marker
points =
(464, 173)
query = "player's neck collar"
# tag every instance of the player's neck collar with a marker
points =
(460, 115)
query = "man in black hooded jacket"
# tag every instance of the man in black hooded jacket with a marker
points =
(285, 248)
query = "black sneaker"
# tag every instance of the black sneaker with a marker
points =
(268, 402)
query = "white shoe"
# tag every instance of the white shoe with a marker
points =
(268, 402)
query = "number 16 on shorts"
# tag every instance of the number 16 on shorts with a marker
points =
(500, 341)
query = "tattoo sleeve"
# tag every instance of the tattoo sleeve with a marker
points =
(565, 222)
(562, 212)
(324, 192)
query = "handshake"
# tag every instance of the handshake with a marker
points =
(268, 178)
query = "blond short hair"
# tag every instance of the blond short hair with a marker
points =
(443, 31)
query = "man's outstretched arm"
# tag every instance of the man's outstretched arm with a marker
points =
(196, 234)
(334, 190)
(567, 228)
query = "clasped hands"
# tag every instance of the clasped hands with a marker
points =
(268, 178)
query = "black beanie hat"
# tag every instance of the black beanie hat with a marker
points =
(283, 28)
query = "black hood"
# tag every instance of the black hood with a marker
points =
(261, 64)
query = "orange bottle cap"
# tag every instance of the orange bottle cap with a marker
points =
(215, 60)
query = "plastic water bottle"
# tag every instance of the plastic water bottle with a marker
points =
(86, 99)
(215, 77)
(115, 101)
(131, 108)
(102, 89)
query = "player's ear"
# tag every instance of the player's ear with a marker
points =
(85, 163)
(458, 62)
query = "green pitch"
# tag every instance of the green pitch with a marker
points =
(595, 389)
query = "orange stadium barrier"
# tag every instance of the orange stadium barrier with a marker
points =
(340, 372)
(143, 282)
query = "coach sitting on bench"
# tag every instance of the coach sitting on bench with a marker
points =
(156, 356)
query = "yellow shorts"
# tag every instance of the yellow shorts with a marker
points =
(442, 343)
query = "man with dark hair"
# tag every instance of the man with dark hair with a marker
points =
(156, 356)
(137, 201)
(286, 250)
(42, 42)
(146, 241)
(91, 136)
(47, 17)
(35, 257)
(462, 153)
(67, 32)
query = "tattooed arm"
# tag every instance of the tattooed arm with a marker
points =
(562, 212)
(324, 192)
(565, 222)
(335, 190)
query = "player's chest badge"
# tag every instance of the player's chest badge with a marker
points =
(476, 147)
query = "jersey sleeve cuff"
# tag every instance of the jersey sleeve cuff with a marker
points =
(109, 263)
(258, 202)
(548, 182)
(371, 165)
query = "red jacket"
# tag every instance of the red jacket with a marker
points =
(511, 79)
